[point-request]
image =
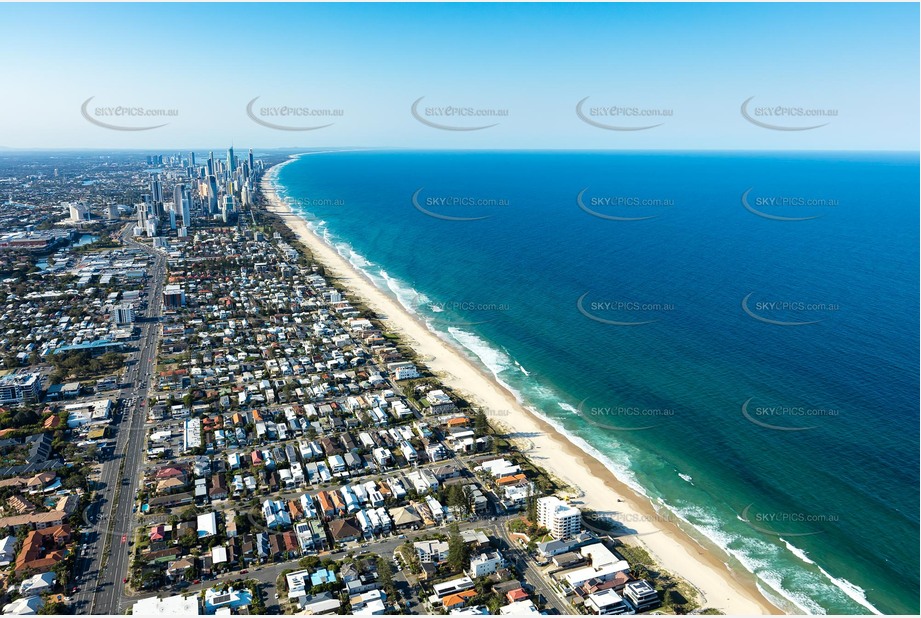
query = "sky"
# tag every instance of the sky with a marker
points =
(489, 76)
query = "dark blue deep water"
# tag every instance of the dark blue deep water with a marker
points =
(750, 364)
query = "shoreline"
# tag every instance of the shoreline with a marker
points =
(673, 549)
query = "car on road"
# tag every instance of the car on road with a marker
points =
(74, 590)
(196, 581)
(244, 572)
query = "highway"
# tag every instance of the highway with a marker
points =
(102, 567)
(110, 519)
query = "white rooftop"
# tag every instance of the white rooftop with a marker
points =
(172, 606)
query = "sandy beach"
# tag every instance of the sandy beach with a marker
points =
(730, 592)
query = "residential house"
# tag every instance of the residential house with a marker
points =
(431, 551)
(607, 603)
(344, 530)
(641, 595)
(207, 525)
(485, 564)
(218, 489)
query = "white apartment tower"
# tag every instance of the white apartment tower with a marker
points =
(562, 520)
(79, 212)
(122, 315)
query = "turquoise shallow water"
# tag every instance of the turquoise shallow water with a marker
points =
(735, 335)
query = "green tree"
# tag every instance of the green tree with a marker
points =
(188, 540)
(480, 423)
(25, 417)
(150, 580)
(531, 506)
(455, 499)
(309, 562)
(62, 571)
(467, 504)
(384, 574)
(458, 552)
(54, 609)
(191, 573)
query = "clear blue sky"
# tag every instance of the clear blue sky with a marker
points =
(537, 61)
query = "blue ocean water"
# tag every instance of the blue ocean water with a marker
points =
(735, 335)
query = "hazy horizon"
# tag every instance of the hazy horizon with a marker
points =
(481, 76)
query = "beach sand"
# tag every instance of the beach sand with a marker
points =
(730, 592)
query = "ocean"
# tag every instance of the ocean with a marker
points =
(734, 334)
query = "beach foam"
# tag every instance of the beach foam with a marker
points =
(674, 553)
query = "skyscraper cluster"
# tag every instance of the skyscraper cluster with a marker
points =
(216, 189)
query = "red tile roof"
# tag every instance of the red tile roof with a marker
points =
(518, 594)
(459, 599)
(40, 548)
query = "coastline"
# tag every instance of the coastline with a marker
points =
(722, 589)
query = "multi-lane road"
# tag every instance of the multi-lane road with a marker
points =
(103, 565)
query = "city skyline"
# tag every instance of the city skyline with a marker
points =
(460, 308)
